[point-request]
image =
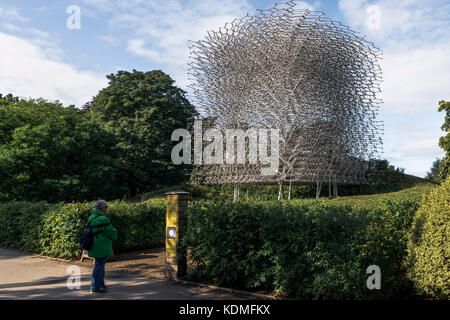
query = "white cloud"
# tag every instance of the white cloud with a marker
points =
(419, 143)
(415, 79)
(136, 46)
(412, 148)
(110, 39)
(160, 29)
(28, 71)
(10, 27)
(104, 5)
(12, 14)
(39, 33)
(307, 5)
(413, 145)
(31, 64)
(414, 20)
(414, 37)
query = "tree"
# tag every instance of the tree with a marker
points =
(434, 173)
(142, 109)
(444, 142)
(48, 152)
(4, 100)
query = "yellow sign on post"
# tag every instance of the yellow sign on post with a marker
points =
(176, 261)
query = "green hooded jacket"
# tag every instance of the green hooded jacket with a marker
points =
(103, 236)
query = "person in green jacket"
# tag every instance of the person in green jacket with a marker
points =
(102, 244)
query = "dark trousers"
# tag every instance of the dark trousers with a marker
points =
(98, 274)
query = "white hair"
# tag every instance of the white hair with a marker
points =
(100, 204)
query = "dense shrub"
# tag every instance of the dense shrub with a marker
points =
(20, 224)
(54, 230)
(303, 249)
(142, 109)
(53, 153)
(429, 247)
(306, 249)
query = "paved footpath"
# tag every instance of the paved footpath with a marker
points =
(26, 276)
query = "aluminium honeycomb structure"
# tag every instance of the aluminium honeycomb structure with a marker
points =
(298, 71)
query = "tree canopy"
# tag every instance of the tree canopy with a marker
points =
(117, 145)
(444, 142)
(142, 109)
(49, 152)
(435, 171)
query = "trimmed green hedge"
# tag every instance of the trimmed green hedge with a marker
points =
(302, 249)
(54, 229)
(20, 224)
(429, 244)
(307, 249)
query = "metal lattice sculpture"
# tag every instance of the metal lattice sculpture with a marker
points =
(312, 78)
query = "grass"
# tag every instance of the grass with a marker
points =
(410, 187)
(377, 200)
(374, 200)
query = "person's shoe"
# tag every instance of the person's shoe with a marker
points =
(105, 288)
(100, 290)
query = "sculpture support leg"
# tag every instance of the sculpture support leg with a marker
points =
(236, 193)
(319, 186)
(290, 190)
(329, 190)
(280, 191)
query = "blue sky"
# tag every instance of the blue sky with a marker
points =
(41, 57)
